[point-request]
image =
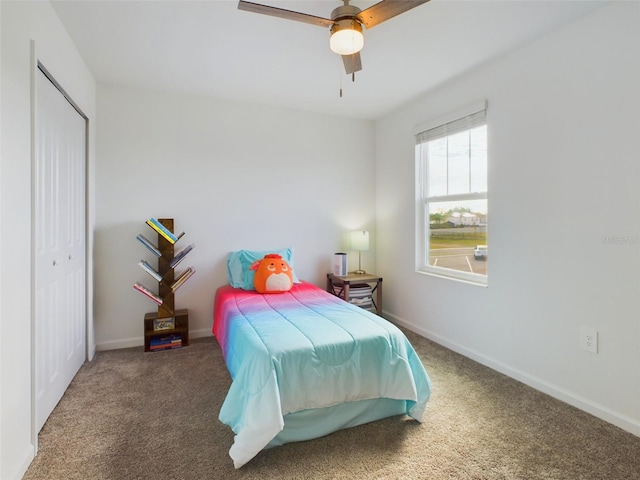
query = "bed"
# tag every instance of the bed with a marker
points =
(305, 363)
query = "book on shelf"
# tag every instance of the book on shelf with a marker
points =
(165, 342)
(150, 270)
(152, 248)
(180, 255)
(158, 348)
(162, 230)
(182, 278)
(148, 293)
(164, 339)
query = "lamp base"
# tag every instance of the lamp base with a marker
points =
(359, 272)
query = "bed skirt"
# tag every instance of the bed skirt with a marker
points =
(318, 422)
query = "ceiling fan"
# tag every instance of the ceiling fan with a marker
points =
(345, 24)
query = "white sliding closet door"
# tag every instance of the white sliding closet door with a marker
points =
(59, 246)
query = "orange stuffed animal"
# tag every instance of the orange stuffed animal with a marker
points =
(273, 274)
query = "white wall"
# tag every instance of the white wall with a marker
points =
(564, 155)
(23, 22)
(564, 204)
(232, 175)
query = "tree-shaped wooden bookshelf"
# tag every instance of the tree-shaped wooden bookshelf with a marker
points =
(168, 327)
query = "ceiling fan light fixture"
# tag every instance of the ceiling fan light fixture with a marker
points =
(346, 37)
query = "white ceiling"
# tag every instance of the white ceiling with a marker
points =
(209, 47)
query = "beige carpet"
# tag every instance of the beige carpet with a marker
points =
(135, 415)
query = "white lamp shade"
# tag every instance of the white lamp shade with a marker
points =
(346, 38)
(360, 240)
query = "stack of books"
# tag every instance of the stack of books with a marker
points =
(177, 283)
(145, 291)
(164, 231)
(150, 270)
(147, 243)
(180, 255)
(359, 294)
(165, 342)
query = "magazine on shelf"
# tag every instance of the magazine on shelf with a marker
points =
(180, 255)
(182, 278)
(160, 324)
(150, 270)
(145, 291)
(162, 230)
(152, 248)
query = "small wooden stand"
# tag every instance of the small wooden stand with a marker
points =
(181, 322)
(345, 281)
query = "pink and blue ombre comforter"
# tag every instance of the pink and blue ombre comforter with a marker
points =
(309, 361)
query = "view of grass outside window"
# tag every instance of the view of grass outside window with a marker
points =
(452, 193)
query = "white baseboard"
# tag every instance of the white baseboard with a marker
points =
(204, 332)
(624, 422)
(22, 466)
(139, 341)
(120, 343)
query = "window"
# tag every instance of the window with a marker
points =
(451, 197)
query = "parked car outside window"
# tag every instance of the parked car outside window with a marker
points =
(480, 252)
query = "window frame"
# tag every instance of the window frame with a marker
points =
(432, 131)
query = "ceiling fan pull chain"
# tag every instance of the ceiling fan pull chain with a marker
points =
(340, 78)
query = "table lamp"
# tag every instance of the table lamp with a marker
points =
(360, 243)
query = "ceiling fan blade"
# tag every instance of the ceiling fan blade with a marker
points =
(385, 10)
(352, 63)
(282, 13)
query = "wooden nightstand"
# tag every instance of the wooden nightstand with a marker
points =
(345, 281)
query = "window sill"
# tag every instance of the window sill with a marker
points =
(463, 277)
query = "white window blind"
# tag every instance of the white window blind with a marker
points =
(459, 125)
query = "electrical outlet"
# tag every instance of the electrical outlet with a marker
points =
(589, 339)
